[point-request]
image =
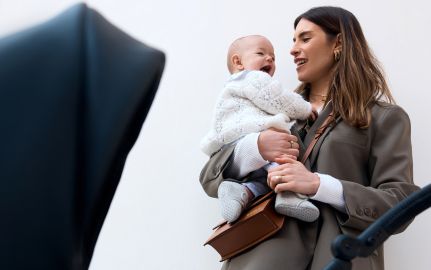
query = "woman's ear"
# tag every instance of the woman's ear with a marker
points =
(338, 43)
(236, 62)
(338, 48)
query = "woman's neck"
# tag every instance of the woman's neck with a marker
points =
(319, 93)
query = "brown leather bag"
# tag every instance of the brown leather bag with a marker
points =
(258, 221)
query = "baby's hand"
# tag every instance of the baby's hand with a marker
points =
(314, 114)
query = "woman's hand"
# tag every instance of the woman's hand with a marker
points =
(274, 144)
(293, 176)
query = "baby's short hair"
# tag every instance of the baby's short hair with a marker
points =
(235, 47)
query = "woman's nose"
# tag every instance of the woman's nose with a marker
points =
(294, 51)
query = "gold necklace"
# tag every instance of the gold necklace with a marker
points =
(323, 97)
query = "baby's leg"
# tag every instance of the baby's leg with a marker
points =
(257, 188)
(296, 205)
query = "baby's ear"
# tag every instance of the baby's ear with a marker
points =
(236, 62)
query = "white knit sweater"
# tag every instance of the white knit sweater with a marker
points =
(252, 101)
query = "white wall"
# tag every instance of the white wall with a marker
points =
(160, 215)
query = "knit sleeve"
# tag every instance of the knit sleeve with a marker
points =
(268, 94)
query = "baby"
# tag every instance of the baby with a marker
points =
(252, 101)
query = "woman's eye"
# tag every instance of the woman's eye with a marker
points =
(305, 40)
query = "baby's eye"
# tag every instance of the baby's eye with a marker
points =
(259, 53)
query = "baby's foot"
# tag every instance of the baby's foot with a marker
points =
(290, 204)
(233, 198)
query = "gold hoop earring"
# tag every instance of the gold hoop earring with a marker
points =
(337, 55)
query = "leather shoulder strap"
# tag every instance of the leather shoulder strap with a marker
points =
(317, 135)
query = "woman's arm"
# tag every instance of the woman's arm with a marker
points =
(212, 173)
(233, 161)
(293, 176)
(390, 169)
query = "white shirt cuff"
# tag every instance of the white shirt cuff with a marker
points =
(246, 156)
(331, 192)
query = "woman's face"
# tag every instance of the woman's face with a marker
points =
(313, 53)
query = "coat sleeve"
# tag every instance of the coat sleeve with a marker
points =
(213, 172)
(390, 171)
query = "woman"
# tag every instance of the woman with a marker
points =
(360, 167)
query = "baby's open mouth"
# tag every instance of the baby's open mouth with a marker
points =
(266, 69)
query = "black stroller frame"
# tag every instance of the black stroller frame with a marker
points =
(345, 248)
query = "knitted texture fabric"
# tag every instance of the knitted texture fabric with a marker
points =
(252, 101)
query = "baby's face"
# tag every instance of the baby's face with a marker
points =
(258, 54)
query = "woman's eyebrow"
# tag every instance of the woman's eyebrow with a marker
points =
(303, 33)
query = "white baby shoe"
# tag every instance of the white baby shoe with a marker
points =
(233, 198)
(294, 205)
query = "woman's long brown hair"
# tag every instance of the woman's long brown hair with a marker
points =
(358, 80)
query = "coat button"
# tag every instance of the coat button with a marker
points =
(374, 214)
(367, 212)
(359, 211)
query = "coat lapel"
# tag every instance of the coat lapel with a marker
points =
(315, 152)
(302, 148)
(294, 131)
(310, 135)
